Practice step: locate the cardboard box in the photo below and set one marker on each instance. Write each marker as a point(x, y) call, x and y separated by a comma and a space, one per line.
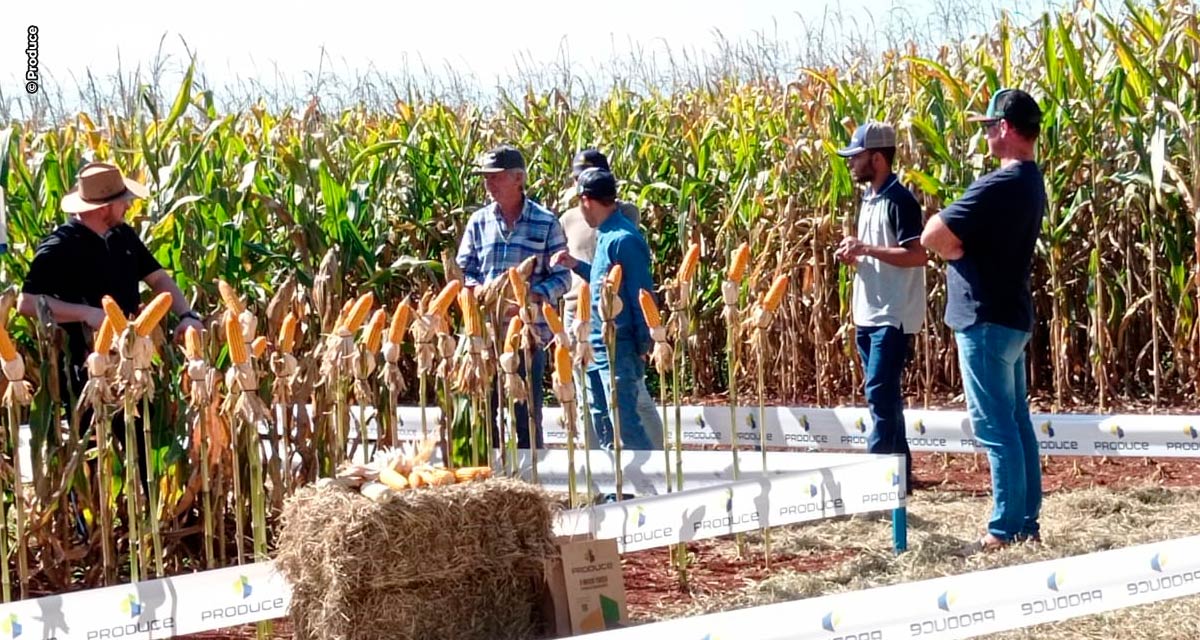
point(587, 588)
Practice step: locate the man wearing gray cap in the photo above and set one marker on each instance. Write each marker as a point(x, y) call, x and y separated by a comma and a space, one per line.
point(503, 234)
point(889, 283)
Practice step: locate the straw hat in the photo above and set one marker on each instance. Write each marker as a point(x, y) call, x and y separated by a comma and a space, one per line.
point(100, 184)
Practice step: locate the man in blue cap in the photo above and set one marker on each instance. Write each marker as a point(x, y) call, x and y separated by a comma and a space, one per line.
point(618, 242)
point(987, 237)
point(889, 283)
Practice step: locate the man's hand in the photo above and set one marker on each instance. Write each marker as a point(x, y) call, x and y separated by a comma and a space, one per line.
point(95, 317)
point(183, 325)
point(849, 250)
point(564, 259)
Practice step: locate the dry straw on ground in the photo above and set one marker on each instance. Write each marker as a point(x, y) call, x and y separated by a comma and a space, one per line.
point(461, 561)
point(1074, 523)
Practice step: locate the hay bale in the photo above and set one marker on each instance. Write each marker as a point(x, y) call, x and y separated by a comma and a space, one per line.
point(460, 561)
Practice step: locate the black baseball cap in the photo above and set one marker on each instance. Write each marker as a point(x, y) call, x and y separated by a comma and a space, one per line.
point(501, 158)
point(587, 159)
point(597, 183)
point(1012, 105)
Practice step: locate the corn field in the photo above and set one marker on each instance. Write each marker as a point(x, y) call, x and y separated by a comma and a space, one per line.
point(305, 211)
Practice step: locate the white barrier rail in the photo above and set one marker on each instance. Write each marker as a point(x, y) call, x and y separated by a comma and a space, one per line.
point(962, 606)
point(847, 428)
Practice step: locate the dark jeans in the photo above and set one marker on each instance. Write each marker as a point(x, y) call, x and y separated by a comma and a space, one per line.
point(884, 352)
point(500, 404)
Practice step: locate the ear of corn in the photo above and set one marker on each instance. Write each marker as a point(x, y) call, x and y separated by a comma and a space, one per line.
point(360, 310)
point(287, 333)
point(104, 337)
point(344, 314)
point(583, 310)
point(441, 304)
point(399, 323)
point(562, 364)
point(691, 263)
point(552, 318)
point(114, 313)
point(649, 309)
point(615, 277)
point(259, 346)
point(774, 295)
point(375, 330)
point(519, 286)
point(191, 341)
point(8, 352)
point(233, 302)
point(235, 340)
point(152, 314)
point(470, 312)
point(514, 332)
point(738, 262)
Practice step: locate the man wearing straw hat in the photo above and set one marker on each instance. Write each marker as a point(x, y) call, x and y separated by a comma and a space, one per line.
point(889, 283)
point(94, 254)
point(988, 237)
point(499, 236)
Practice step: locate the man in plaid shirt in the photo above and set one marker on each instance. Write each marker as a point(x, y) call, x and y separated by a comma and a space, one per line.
point(501, 235)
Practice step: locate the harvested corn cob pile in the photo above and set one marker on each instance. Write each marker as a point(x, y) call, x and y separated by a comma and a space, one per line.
point(400, 469)
point(401, 548)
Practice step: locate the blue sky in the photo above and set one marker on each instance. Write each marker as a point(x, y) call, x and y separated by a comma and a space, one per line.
point(484, 40)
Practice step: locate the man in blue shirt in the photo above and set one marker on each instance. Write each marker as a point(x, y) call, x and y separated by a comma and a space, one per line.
point(618, 242)
point(501, 235)
point(988, 237)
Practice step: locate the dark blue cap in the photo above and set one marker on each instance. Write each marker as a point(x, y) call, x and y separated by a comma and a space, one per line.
point(597, 183)
point(588, 159)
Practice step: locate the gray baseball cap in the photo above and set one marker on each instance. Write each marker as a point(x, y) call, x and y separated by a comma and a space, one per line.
point(872, 135)
point(501, 158)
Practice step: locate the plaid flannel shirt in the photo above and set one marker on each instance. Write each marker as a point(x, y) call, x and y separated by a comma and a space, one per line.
point(489, 248)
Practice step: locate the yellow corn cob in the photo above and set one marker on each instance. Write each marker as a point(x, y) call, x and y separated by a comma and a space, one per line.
point(152, 314)
point(583, 309)
point(691, 262)
point(415, 479)
point(552, 319)
point(393, 479)
point(519, 285)
point(423, 305)
point(191, 341)
point(345, 312)
point(775, 294)
point(441, 304)
point(114, 313)
point(237, 344)
point(232, 301)
point(514, 332)
point(358, 313)
point(8, 352)
point(738, 262)
point(562, 364)
point(614, 277)
point(442, 477)
point(649, 309)
point(375, 331)
point(467, 474)
point(470, 313)
point(287, 333)
point(259, 346)
point(399, 323)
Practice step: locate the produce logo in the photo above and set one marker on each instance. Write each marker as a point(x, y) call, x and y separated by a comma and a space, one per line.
point(242, 587)
point(131, 607)
point(804, 423)
point(1055, 581)
point(1191, 432)
point(860, 425)
point(919, 427)
point(831, 621)
point(11, 626)
point(1117, 431)
point(1159, 562)
point(947, 600)
point(1047, 429)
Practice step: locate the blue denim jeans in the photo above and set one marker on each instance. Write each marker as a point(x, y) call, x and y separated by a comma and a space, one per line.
point(884, 352)
point(499, 403)
point(641, 425)
point(992, 360)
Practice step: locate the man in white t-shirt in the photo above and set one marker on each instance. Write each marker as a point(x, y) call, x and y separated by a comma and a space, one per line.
point(889, 282)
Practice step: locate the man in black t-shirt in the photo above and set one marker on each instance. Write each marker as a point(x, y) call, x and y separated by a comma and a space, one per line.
point(92, 255)
point(988, 237)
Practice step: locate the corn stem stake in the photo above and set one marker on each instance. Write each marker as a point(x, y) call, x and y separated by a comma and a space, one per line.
point(611, 307)
point(98, 393)
point(18, 394)
point(142, 354)
point(761, 317)
point(121, 328)
point(662, 356)
point(564, 390)
point(682, 312)
point(518, 279)
point(730, 292)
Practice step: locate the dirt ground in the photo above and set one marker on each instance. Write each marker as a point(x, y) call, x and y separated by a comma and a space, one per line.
point(1091, 504)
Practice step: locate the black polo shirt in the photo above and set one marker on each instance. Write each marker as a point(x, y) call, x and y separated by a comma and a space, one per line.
point(75, 264)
